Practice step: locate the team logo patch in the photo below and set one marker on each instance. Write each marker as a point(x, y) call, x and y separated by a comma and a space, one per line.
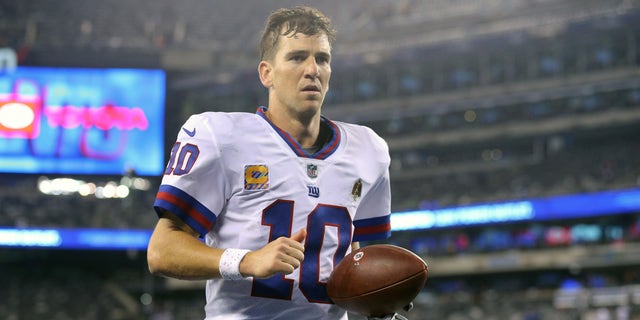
point(356, 191)
point(312, 170)
point(256, 177)
point(314, 191)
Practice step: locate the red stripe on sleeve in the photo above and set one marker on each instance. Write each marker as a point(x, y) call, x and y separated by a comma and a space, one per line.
point(191, 211)
point(372, 229)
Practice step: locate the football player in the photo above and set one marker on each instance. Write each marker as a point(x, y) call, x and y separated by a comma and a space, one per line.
point(263, 205)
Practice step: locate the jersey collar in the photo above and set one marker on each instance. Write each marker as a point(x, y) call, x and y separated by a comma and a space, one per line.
point(324, 152)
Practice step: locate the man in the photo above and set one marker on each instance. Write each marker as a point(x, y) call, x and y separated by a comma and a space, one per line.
point(280, 196)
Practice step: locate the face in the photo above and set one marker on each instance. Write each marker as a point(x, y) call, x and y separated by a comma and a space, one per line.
point(298, 76)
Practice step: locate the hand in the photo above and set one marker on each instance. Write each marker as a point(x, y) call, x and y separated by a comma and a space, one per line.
point(282, 255)
point(394, 316)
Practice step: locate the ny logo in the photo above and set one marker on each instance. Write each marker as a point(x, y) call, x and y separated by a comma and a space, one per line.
point(314, 191)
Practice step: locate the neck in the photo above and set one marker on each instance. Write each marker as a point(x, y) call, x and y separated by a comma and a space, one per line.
point(304, 129)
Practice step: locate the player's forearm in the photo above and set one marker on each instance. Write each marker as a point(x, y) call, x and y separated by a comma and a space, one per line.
point(177, 254)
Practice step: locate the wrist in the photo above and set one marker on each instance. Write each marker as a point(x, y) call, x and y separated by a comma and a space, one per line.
point(229, 265)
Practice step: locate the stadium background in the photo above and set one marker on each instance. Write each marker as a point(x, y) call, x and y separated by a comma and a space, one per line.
point(480, 101)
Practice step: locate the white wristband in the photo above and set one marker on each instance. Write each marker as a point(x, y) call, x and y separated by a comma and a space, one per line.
point(230, 263)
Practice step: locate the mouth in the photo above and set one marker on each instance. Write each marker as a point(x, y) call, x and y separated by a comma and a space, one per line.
point(311, 89)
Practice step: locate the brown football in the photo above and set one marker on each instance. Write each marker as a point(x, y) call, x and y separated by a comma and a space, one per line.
point(377, 280)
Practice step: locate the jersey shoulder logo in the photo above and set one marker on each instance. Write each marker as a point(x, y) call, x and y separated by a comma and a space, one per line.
point(256, 177)
point(189, 133)
point(356, 190)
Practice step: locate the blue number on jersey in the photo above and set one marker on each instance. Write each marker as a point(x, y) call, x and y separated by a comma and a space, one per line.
point(279, 217)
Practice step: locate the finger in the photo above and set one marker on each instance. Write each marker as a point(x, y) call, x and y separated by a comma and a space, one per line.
point(296, 253)
point(287, 268)
point(287, 265)
point(287, 245)
point(293, 262)
point(291, 256)
point(300, 235)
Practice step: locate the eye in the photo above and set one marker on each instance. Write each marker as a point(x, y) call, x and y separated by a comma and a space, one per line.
point(322, 59)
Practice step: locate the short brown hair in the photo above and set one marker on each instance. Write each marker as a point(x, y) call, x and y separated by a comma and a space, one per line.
point(300, 19)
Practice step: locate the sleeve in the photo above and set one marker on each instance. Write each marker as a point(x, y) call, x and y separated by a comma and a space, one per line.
point(378, 200)
point(373, 216)
point(193, 186)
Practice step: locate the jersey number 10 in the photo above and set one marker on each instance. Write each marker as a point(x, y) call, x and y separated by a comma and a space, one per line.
point(278, 216)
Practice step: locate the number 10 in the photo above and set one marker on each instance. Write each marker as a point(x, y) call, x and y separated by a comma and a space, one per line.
point(279, 217)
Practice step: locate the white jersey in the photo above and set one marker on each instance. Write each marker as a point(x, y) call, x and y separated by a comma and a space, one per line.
point(241, 182)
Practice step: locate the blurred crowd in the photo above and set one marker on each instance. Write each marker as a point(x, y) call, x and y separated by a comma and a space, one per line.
point(24, 206)
point(498, 174)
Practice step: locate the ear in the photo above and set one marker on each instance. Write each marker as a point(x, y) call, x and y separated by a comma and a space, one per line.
point(266, 76)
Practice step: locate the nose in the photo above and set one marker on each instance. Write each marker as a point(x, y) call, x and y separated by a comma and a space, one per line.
point(312, 70)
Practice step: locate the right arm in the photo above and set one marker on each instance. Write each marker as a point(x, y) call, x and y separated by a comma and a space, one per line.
point(175, 251)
